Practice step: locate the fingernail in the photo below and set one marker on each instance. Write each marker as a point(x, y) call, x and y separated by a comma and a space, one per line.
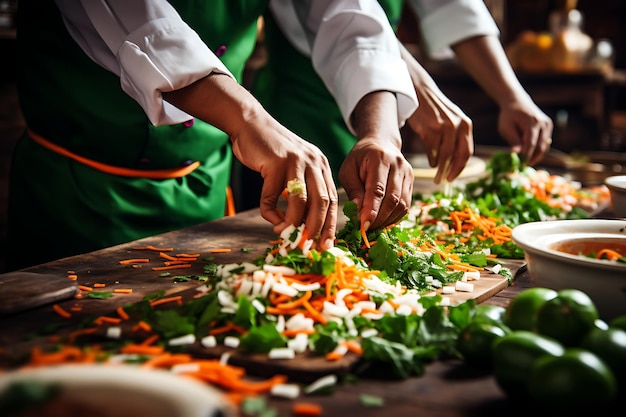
point(366, 226)
point(329, 243)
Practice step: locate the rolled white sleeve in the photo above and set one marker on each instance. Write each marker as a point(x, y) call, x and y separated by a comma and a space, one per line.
point(147, 44)
point(353, 49)
point(446, 22)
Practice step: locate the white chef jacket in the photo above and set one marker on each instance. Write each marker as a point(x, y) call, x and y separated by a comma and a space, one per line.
point(446, 22)
point(353, 48)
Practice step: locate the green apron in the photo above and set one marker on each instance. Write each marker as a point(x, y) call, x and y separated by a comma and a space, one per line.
point(59, 207)
point(292, 92)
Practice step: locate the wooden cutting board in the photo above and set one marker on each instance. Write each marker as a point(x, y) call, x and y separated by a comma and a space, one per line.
point(307, 367)
point(22, 290)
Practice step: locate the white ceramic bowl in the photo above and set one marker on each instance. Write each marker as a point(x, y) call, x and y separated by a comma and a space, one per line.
point(122, 390)
point(617, 187)
point(549, 265)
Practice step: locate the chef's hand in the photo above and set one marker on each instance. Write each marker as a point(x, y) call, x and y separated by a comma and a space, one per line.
point(264, 145)
point(287, 161)
point(526, 128)
point(375, 174)
point(446, 132)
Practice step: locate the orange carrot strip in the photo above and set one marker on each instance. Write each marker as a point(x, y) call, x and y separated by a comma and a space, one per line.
point(364, 236)
point(295, 303)
point(166, 360)
point(609, 253)
point(143, 326)
point(134, 261)
point(177, 266)
point(220, 250)
point(187, 255)
point(178, 299)
point(154, 248)
point(122, 313)
point(99, 285)
point(61, 311)
point(353, 346)
point(150, 340)
point(142, 349)
point(123, 290)
point(85, 288)
point(73, 277)
point(105, 319)
point(306, 409)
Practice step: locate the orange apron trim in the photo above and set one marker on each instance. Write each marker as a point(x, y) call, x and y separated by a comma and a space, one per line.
point(129, 172)
point(159, 174)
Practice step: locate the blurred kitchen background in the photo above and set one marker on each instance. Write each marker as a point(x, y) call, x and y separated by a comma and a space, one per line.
point(569, 55)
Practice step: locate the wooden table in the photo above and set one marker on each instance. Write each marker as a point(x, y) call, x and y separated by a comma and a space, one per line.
point(448, 388)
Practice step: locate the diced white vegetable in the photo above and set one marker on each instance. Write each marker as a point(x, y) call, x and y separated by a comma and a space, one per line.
point(185, 368)
point(258, 306)
point(436, 283)
point(333, 309)
point(284, 289)
point(404, 310)
point(114, 332)
point(365, 333)
point(464, 286)
point(279, 269)
point(244, 287)
point(306, 287)
point(281, 353)
point(299, 343)
point(203, 288)
point(323, 382)
point(496, 268)
point(280, 323)
point(226, 299)
point(287, 231)
point(209, 341)
point(123, 357)
point(448, 289)
point(231, 341)
point(188, 339)
point(290, 391)
point(471, 275)
point(445, 301)
point(224, 358)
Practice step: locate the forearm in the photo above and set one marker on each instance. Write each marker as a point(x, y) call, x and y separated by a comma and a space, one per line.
point(485, 60)
point(218, 100)
point(376, 116)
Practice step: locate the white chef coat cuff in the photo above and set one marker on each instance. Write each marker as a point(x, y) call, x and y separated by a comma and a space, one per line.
point(149, 64)
point(389, 74)
point(455, 22)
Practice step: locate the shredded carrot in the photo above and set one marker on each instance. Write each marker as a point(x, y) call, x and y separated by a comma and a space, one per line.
point(609, 254)
point(306, 409)
point(99, 285)
point(175, 299)
point(143, 326)
point(123, 290)
point(134, 261)
point(142, 349)
point(353, 346)
point(150, 340)
point(61, 311)
point(364, 236)
point(85, 288)
point(220, 250)
point(167, 267)
point(73, 277)
point(122, 313)
point(154, 248)
point(106, 319)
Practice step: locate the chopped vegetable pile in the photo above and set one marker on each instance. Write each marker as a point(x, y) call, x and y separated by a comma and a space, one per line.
point(379, 296)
